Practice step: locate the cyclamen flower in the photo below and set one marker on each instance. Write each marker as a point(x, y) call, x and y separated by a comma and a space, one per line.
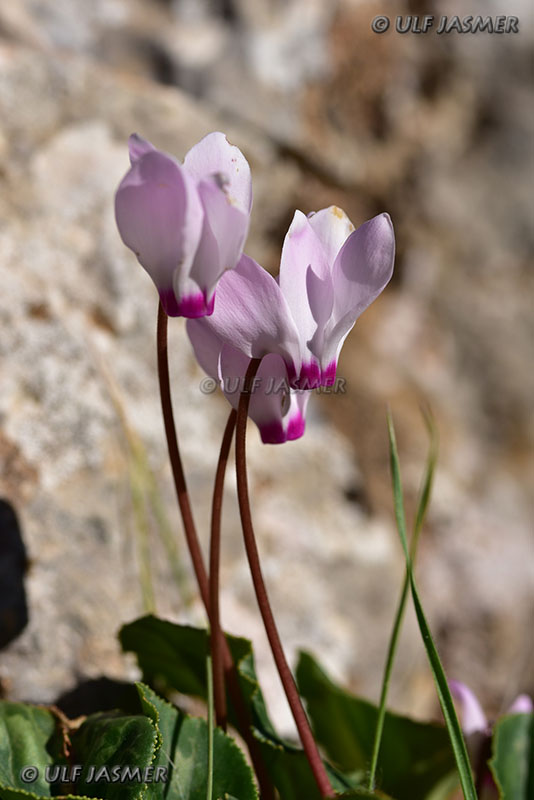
point(478, 729)
point(472, 716)
point(329, 274)
point(186, 223)
point(278, 411)
point(297, 324)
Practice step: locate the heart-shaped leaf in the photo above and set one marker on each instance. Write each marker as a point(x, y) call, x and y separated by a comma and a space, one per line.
point(414, 755)
point(176, 655)
point(183, 753)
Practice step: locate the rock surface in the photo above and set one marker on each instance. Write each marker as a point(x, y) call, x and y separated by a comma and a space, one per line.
point(437, 136)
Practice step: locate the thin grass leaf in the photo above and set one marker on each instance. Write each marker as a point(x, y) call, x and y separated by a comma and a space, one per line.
point(422, 506)
point(428, 478)
point(445, 699)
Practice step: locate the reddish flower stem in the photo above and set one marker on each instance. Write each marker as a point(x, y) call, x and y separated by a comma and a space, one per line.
point(266, 788)
point(176, 462)
point(219, 693)
point(288, 682)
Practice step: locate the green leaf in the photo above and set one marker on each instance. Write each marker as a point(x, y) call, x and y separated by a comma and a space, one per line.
point(176, 655)
point(415, 755)
point(29, 736)
point(184, 752)
point(512, 763)
point(444, 695)
point(24, 734)
point(364, 793)
point(113, 739)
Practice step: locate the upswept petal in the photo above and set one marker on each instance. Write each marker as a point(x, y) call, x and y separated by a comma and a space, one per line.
point(252, 315)
point(303, 266)
point(223, 235)
point(137, 147)
point(159, 217)
point(522, 705)
point(206, 345)
point(472, 717)
point(362, 269)
point(306, 284)
point(332, 227)
point(214, 155)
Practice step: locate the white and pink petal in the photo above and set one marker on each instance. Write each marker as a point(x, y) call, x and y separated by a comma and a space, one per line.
point(214, 155)
point(159, 217)
point(223, 235)
point(472, 717)
point(137, 147)
point(252, 315)
point(332, 227)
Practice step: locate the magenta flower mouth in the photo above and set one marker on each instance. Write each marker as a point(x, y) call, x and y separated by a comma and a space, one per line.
point(193, 306)
point(313, 377)
point(196, 305)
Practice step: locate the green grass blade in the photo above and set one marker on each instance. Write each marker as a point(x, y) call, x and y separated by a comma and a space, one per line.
point(422, 506)
point(392, 648)
point(428, 479)
point(445, 699)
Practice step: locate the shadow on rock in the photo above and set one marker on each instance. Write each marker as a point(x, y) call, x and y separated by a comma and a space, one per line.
point(13, 566)
point(99, 694)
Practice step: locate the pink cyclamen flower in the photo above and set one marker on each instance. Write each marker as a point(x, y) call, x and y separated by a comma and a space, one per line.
point(186, 223)
point(472, 716)
point(478, 729)
point(329, 274)
point(278, 411)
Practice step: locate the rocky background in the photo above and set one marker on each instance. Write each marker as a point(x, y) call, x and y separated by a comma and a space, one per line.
point(437, 131)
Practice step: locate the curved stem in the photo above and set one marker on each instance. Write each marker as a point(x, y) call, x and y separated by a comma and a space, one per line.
point(267, 792)
point(288, 682)
point(216, 638)
point(176, 462)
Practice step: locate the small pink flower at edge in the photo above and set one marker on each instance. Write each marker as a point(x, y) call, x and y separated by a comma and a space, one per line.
point(478, 729)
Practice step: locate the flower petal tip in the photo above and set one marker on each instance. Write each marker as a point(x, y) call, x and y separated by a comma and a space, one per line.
point(296, 427)
point(328, 375)
point(272, 433)
point(522, 705)
point(137, 147)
